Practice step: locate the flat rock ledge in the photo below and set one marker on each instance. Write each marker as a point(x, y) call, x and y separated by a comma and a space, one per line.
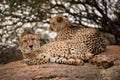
point(52, 71)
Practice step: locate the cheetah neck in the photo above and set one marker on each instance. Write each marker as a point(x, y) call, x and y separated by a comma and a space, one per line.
point(32, 54)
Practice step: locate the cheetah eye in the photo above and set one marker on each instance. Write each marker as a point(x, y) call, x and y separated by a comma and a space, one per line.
point(24, 40)
point(33, 39)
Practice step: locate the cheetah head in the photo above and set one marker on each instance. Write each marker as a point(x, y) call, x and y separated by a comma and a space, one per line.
point(28, 43)
point(59, 22)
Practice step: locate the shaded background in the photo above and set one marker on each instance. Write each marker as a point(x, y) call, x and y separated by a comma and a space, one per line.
point(18, 17)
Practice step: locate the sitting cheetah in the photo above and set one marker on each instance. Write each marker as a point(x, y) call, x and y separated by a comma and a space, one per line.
point(67, 51)
point(91, 37)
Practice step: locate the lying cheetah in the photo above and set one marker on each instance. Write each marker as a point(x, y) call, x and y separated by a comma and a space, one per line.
point(91, 37)
point(67, 51)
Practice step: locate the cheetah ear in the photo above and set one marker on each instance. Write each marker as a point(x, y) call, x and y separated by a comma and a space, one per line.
point(59, 19)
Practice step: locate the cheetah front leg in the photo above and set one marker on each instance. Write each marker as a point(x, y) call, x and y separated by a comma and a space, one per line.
point(74, 56)
point(30, 61)
point(43, 58)
point(48, 58)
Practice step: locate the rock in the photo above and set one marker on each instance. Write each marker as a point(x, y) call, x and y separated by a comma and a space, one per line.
point(108, 58)
point(10, 55)
point(52, 71)
point(112, 73)
point(20, 71)
point(109, 38)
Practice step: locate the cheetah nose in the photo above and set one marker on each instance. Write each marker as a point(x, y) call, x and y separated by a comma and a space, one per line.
point(31, 46)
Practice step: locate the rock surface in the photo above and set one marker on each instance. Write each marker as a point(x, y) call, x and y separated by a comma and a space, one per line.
point(10, 55)
point(20, 71)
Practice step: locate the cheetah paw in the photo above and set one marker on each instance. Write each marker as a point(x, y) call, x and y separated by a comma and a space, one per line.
point(71, 61)
point(88, 56)
point(79, 62)
point(75, 61)
point(61, 60)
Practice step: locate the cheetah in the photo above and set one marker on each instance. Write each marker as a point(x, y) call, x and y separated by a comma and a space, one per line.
point(91, 37)
point(63, 52)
